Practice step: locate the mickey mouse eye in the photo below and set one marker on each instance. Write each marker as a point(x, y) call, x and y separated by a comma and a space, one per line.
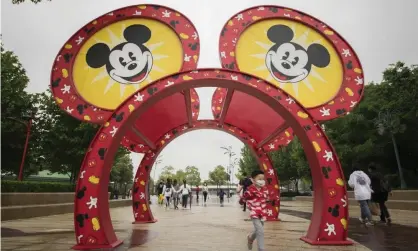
point(131, 55)
point(295, 61)
point(286, 55)
point(121, 61)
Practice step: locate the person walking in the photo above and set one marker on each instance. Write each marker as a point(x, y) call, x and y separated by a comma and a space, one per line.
point(160, 189)
point(243, 186)
point(360, 182)
point(197, 194)
point(185, 192)
point(221, 197)
point(256, 196)
point(205, 192)
point(176, 192)
point(381, 190)
point(168, 192)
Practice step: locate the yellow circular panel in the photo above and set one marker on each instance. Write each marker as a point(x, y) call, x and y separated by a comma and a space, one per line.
point(293, 57)
point(124, 57)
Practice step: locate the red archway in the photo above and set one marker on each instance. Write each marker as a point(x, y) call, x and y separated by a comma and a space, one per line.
point(142, 211)
point(93, 225)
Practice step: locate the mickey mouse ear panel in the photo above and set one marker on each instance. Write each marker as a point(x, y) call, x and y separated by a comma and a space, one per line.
point(118, 53)
point(297, 53)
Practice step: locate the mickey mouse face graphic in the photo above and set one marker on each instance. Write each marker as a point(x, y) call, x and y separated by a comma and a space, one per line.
point(127, 63)
point(289, 62)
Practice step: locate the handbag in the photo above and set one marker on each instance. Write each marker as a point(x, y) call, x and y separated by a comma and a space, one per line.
point(374, 208)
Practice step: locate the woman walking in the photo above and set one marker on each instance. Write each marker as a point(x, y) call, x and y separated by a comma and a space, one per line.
point(205, 192)
point(168, 192)
point(381, 190)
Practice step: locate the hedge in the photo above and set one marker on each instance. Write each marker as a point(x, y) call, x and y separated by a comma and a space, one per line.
point(14, 186)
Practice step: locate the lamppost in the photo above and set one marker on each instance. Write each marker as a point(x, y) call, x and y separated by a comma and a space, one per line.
point(28, 124)
point(157, 161)
point(228, 150)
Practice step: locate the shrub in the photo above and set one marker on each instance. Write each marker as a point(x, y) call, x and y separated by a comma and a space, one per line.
point(14, 186)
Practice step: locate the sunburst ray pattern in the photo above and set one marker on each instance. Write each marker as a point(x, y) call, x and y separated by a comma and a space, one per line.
point(95, 84)
point(320, 85)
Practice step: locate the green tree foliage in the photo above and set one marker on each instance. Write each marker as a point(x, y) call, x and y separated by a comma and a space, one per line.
point(16, 110)
point(193, 175)
point(166, 173)
point(180, 175)
point(290, 163)
point(248, 163)
point(218, 175)
point(122, 171)
point(359, 138)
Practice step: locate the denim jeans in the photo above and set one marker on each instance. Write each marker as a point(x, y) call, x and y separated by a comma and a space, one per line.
point(365, 210)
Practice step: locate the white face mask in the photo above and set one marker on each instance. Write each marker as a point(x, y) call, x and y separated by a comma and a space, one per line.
point(260, 183)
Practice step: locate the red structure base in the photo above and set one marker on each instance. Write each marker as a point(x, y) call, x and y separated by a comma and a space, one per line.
point(277, 219)
point(145, 222)
point(326, 243)
point(93, 247)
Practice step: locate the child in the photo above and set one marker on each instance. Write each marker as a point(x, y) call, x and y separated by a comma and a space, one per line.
point(221, 197)
point(168, 192)
point(362, 193)
point(256, 197)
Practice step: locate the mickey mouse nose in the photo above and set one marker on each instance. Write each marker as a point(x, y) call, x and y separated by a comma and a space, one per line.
point(286, 65)
point(132, 66)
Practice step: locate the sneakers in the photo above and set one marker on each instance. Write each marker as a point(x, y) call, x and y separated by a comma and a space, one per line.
point(361, 220)
point(388, 221)
point(249, 243)
point(369, 223)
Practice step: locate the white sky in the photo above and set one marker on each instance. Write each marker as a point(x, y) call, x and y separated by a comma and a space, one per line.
point(380, 31)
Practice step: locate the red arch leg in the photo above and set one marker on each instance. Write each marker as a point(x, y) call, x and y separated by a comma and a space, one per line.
point(93, 225)
point(140, 196)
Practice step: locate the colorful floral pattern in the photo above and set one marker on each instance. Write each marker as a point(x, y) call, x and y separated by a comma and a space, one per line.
point(143, 214)
point(93, 224)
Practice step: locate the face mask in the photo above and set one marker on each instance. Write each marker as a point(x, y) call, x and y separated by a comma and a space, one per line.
point(260, 183)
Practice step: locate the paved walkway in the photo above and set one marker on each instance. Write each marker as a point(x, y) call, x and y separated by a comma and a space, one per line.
point(210, 228)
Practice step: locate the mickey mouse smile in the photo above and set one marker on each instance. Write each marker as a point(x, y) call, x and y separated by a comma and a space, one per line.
point(129, 62)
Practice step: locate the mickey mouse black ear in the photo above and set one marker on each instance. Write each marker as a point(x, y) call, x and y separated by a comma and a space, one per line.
point(137, 34)
point(98, 55)
point(280, 34)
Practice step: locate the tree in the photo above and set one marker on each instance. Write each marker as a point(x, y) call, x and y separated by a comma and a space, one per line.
point(248, 163)
point(166, 173)
point(218, 175)
point(180, 176)
point(16, 109)
point(193, 175)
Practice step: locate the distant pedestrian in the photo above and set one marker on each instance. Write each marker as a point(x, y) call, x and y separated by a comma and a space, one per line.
point(205, 192)
point(381, 190)
point(197, 194)
point(160, 189)
point(360, 182)
point(168, 192)
point(256, 196)
point(176, 194)
point(221, 195)
point(185, 193)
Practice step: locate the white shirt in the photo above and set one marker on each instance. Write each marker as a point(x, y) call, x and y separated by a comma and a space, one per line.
point(205, 189)
point(185, 190)
point(361, 191)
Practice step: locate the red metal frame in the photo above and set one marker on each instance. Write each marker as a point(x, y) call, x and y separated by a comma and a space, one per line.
point(140, 192)
point(93, 225)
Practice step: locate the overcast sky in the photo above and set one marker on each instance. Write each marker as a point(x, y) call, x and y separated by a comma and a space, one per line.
point(380, 31)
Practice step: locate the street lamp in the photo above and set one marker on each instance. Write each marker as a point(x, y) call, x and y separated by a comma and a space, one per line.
point(230, 153)
point(157, 161)
point(28, 124)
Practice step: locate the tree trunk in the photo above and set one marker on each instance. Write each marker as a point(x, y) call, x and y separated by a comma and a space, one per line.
point(403, 183)
point(296, 186)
